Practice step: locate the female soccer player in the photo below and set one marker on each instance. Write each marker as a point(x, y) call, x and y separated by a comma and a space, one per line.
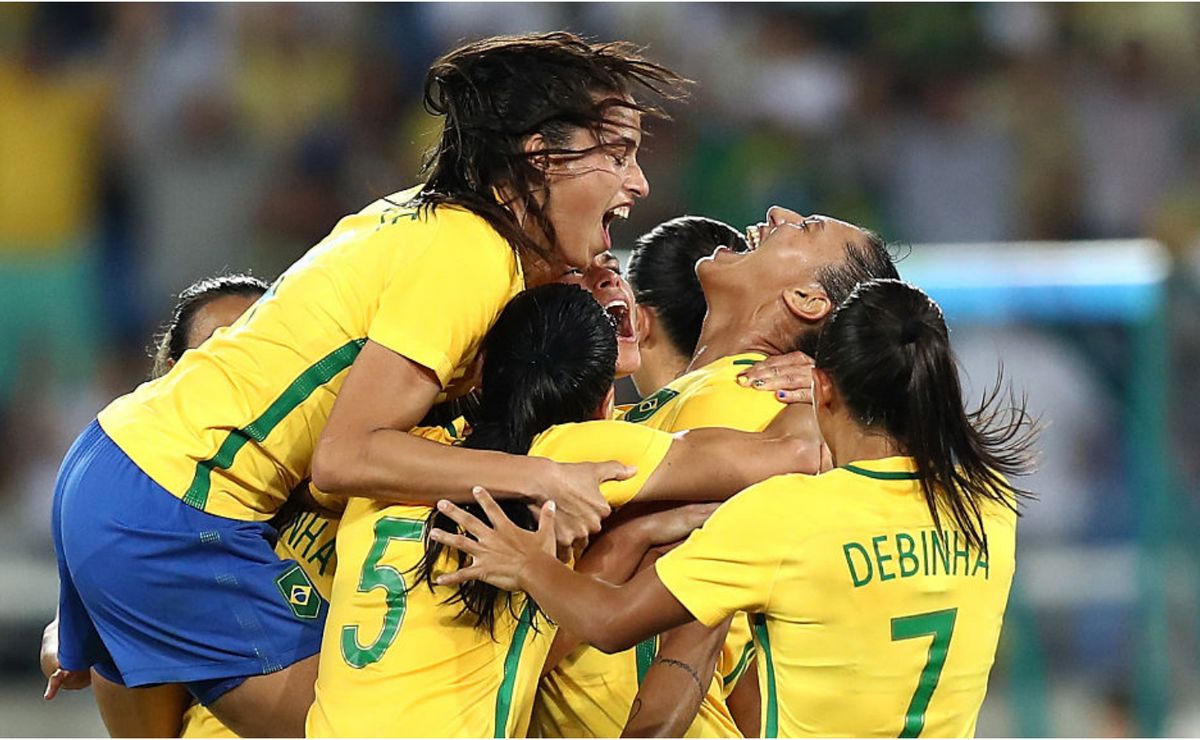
point(166, 574)
point(877, 613)
point(465, 662)
point(760, 305)
point(670, 301)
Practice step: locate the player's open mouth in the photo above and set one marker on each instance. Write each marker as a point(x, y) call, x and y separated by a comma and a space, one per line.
point(611, 215)
point(621, 318)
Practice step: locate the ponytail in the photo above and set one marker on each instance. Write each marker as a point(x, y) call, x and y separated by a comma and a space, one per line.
point(888, 351)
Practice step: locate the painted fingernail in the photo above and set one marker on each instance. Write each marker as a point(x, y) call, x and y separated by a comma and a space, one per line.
point(477, 490)
point(551, 505)
point(743, 380)
point(781, 395)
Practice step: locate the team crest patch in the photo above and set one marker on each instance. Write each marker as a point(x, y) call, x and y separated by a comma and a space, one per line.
point(649, 406)
point(300, 594)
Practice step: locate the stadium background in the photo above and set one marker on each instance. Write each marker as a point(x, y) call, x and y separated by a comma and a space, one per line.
point(144, 146)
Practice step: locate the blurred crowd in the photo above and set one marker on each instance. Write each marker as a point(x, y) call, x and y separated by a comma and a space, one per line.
point(143, 146)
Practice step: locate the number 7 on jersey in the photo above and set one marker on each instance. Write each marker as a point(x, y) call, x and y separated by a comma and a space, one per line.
point(939, 625)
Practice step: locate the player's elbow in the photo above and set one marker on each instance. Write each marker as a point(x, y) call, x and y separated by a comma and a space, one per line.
point(610, 639)
point(806, 454)
point(608, 645)
point(332, 470)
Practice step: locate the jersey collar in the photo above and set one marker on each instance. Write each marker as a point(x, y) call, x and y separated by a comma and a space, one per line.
point(887, 468)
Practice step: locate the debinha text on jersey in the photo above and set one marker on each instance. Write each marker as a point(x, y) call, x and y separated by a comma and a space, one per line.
point(929, 552)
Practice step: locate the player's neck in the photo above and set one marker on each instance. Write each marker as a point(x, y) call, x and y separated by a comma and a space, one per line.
point(735, 332)
point(851, 442)
point(658, 370)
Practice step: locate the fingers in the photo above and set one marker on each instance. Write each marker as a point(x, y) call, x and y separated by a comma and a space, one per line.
point(804, 395)
point(788, 376)
point(494, 513)
point(546, 521)
point(613, 470)
point(457, 541)
point(462, 575)
point(53, 684)
point(64, 679)
point(464, 519)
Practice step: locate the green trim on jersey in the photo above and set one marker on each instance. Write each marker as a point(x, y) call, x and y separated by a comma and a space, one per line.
point(771, 722)
point(746, 362)
point(511, 661)
point(644, 654)
point(740, 668)
point(883, 475)
point(317, 375)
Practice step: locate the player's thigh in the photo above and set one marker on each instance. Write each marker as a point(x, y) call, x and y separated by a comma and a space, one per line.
point(272, 705)
point(149, 711)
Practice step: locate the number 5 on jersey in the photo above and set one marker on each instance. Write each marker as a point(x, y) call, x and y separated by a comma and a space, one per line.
point(940, 626)
point(391, 581)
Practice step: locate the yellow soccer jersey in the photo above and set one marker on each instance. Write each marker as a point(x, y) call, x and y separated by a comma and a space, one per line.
point(589, 693)
point(403, 664)
point(231, 429)
point(709, 397)
point(868, 621)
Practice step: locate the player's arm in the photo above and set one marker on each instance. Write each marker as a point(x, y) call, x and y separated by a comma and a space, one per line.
point(365, 450)
point(518, 560)
point(676, 682)
point(713, 464)
point(621, 550)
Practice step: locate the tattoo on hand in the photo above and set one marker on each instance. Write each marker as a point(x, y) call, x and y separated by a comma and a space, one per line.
point(680, 664)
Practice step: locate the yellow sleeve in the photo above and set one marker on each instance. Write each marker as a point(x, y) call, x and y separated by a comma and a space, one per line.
point(730, 563)
point(446, 292)
point(599, 441)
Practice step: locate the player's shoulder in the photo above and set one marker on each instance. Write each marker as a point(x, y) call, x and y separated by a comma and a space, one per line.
point(586, 433)
point(719, 378)
point(797, 502)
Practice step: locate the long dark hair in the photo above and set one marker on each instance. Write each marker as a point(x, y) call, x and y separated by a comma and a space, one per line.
point(549, 359)
point(172, 340)
point(887, 350)
point(494, 93)
point(867, 259)
point(662, 273)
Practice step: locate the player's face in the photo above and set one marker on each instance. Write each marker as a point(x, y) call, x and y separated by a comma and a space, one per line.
point(215, 314)
point(588, 193)
point(792, 249)
point(604, 281)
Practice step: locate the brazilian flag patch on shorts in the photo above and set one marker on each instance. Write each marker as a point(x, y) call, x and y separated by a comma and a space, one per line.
point(300, 594)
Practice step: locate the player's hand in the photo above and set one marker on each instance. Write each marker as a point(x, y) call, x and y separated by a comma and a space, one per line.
point(69, 680)
point(788, 376)
point(579, 505)
point(58, 677)
point(499, 552)
point(49, 657)
point(673, 524)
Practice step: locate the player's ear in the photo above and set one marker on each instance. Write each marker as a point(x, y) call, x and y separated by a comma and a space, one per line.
point(824, 391)
point(809, 303)
point(608, 404)
point(643, 323)
point(535, 146)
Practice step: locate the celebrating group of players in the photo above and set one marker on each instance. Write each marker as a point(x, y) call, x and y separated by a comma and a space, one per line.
point(390, 494)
